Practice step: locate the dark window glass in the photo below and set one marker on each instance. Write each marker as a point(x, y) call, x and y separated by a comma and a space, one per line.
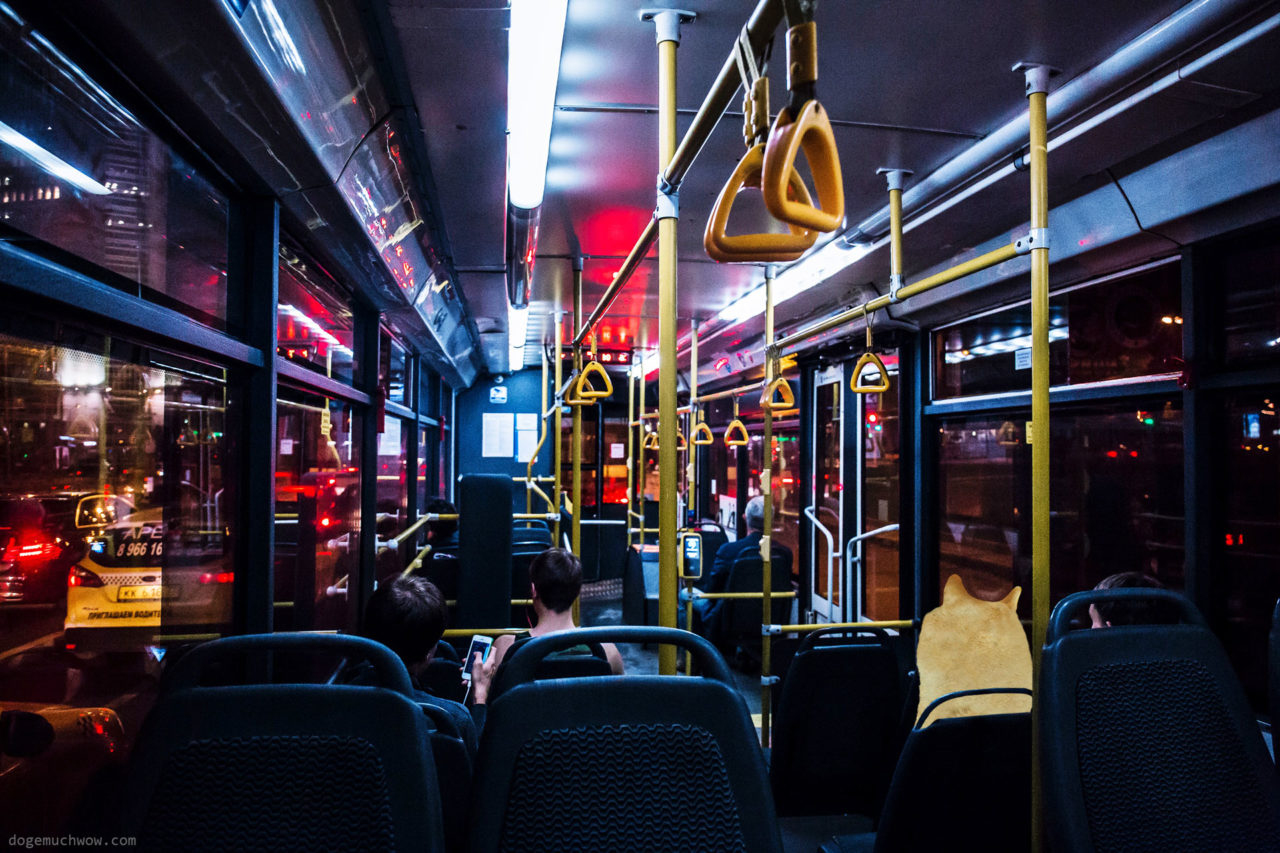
point(1245, 561)
point(723, 468)
point(114, 535)
point(615, 462)
point(428, 481)
point(880, 497)
point(391, 367)
point(445, 457)
point(317, 511)
point(1118, 329)
point(79, 173)
point(1245, 275)
point(314, 324)
point(1116, 498)
point(393, 489)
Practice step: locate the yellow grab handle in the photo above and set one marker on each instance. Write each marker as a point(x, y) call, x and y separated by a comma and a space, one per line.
point(811, 130)
point(779, 248)
point(586, 390)
point(738, 428)
point(650, 441)
point(702, 435)
point(782, 388)
point(681, 443)
point(872, 360)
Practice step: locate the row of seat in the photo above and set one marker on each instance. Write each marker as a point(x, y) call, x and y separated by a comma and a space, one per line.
point(1148, 744)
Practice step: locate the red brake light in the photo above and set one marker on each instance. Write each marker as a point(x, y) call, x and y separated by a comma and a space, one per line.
point(326, 521)
point(218, 577)
point(83, 577)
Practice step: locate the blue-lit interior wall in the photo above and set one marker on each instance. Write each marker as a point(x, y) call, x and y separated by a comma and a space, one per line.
point(524, 396)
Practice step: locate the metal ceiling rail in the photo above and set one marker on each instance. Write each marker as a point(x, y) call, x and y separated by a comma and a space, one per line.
point(760, 28)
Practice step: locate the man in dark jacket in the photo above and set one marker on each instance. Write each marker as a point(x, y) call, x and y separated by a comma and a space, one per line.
point(707, 611)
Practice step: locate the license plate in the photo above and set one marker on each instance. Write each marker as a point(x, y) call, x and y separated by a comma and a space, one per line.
point(150, 592)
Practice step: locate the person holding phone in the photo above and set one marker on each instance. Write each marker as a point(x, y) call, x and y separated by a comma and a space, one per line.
point(555, 581)
point(407, 615)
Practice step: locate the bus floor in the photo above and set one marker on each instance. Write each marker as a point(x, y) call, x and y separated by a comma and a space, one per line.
point(602, 605)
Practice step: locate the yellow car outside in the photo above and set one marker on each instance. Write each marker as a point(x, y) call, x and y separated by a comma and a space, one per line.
point(135, 577)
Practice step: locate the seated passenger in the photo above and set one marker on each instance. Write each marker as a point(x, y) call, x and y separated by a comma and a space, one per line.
point(706, 610)
point(555, 580)
point(442, 533)
point(1108, 613)
point(407, 615)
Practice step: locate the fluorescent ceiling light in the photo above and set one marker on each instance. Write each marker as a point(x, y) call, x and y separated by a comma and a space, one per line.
point(533, 69)
point(51, 163)
point(517, 331)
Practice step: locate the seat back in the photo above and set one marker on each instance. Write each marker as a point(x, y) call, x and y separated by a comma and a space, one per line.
point(531, 533)
point(453, 763)
point(484, 548)
point(738, 620)
point(276, 766)
point(621, 763)
point(565, 664)
point(1148, 741)
point(962, 783)
point(836, 733)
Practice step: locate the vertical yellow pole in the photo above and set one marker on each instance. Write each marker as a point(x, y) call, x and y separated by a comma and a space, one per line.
point(542, 423)
point(668, 27)
point(558, 428)
point(1037, 91)
point(631, 449)
point(691, 472)
point(766, 539)
point(575, 528)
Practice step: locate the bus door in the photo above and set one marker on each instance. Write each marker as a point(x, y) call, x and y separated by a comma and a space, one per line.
point(824, 509)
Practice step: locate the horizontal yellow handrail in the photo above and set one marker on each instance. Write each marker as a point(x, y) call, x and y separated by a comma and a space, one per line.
point(802, 629)
point(745, 595)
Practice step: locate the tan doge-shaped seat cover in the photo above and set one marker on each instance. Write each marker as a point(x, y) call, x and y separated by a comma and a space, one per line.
point(967, 644)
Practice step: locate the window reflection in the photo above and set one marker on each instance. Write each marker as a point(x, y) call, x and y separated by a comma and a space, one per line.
point(1118, 329)
point(79, 173)
point(314, 324)
point(1245, 550)
point(1115, 499)
point(1244, 274)
point(880, 499)
point(317, 511)
point(114, 542)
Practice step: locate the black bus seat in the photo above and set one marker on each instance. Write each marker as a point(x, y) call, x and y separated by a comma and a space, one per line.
point(1148, 741)
point(284, 766)
point(962, 783)
point(633, 762)
point(562, 664)
point(836, 733)
point(454, 769)
point(537, 534)
point(484, 548)
point(736, 622)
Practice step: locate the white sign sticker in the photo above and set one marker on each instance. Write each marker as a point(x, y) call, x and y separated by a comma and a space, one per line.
point(1022, 359)
point(498, 394)
point(499, 434)
point(617, 450)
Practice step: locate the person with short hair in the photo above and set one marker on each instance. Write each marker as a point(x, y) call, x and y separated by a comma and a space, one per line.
point(442, 533)
point(555, 581)
point(407, 615)
point(1106, 614)
point(706, 611)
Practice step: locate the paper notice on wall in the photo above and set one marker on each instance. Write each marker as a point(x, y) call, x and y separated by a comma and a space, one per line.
point(617, 450)
point(499, 434)
point(527, 421)
point(526, 443)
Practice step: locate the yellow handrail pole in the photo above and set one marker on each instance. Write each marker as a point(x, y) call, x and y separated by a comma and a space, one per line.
point(575, 526)
point(766, 539)
point(895, 179)
point(556, 460)
point(818, 626)
point(533, 460)
point(667, 23)
point(960, 270)
point(691, 469)
point(730, 392)
point(631, 435)
point(1037, 78)
point(760, 27)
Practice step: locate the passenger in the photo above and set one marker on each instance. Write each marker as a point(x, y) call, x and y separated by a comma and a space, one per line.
point(407, 615)
point(555, 580)
point(442, 533)
point(706, 611)
point(1108, 613)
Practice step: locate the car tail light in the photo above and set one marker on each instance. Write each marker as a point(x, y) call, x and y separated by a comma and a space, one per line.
point(29, 546)
point(218, 577)
point(83, 577)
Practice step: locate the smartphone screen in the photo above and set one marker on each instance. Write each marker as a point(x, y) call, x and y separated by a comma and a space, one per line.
point(478, 644)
